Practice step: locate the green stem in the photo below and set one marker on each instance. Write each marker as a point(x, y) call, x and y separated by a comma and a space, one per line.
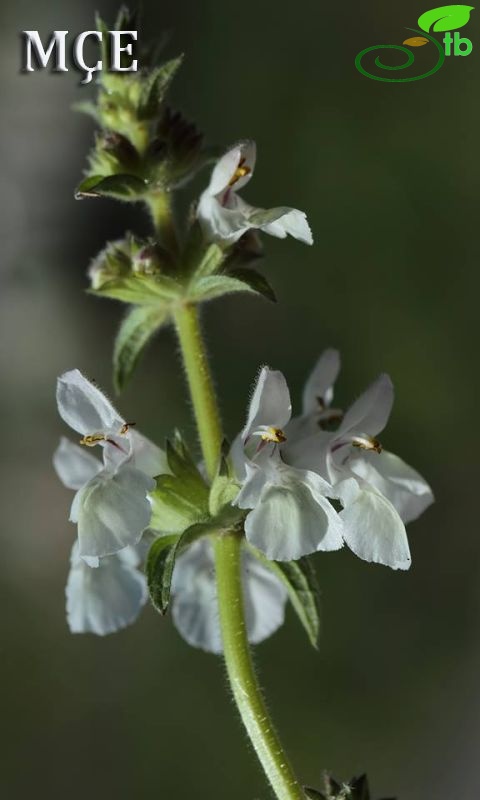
point(201, 386)
point(238, 660)
point(241, 672)
point(160, 207)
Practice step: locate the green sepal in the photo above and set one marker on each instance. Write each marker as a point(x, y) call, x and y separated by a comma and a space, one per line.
point(126, 20)
point(142, 290)
point(102, 27)
point(301, 583)
point(210, 262)
point(313, 794)
point(129, 188)
point(160, 564)
point(200, 259)
point(88, 108)
point(180, 499)
point(155, 87)
point(356, 789)
point(135, 332)
point(224, 490)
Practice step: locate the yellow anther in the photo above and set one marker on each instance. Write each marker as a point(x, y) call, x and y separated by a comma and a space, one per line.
point(367, 443)
point(274, 435)
point(126, 427)
point(240, 172)
point(92, 439)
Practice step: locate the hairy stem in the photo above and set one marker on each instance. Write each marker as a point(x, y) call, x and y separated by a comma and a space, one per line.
point(201, 386)
point(160, 208)
point(238, 659)
point(241, 672)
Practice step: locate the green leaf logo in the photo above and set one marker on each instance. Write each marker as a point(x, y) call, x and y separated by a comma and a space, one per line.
point(445, 18)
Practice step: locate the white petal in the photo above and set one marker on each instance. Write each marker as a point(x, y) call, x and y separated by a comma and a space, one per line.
point(400, 483)
point(74, 465)
point(82, 406)
point(105, 599)
point(369, 414)
point(146, 456)
point(290, 222)
point(307, 452)
point(195, 606)
point(254, 479)
point(219, 222)
point(130, 556)
point(265, 598)
point(113, 510)
point(374, 531)
point(318, 391)
point(293, 517)
point(270, 404)
point(227, 165)
point(93, 562)
point(279, 221)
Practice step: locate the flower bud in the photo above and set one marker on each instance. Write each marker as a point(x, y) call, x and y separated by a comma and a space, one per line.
point(111, 263)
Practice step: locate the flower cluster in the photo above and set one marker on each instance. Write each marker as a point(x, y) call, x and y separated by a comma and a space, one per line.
point(112, 509)
point(302, 485)
point(291, 470)
point(289, 486)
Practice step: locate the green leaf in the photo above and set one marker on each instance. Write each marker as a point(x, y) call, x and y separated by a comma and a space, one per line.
point(159, 570)
point(301, 583)
point(120, 187)
point(161, 562)
point(213, 286)
point(155, 88)
point(445, 18)
point(256, 281)
point(140, 289)
point(136, 330)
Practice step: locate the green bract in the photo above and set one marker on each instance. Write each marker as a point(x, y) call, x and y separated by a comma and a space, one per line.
point(356, 789)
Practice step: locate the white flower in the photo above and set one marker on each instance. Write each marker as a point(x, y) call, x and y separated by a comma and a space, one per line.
point(195, 606)
point(111, 506)
point(291, 515)
point(106, 594)
point(226, 217)
point(379, 492)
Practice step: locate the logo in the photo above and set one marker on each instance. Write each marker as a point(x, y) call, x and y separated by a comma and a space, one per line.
point(36, 56)
point(439, 20)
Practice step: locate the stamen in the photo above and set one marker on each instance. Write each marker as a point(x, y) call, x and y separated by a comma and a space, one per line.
point(126, 427)
point(92, 439)
point(240, 172)
point(275, 435)
point(367, 443)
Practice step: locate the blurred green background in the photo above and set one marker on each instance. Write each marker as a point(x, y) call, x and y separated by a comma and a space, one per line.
point(389, 176)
